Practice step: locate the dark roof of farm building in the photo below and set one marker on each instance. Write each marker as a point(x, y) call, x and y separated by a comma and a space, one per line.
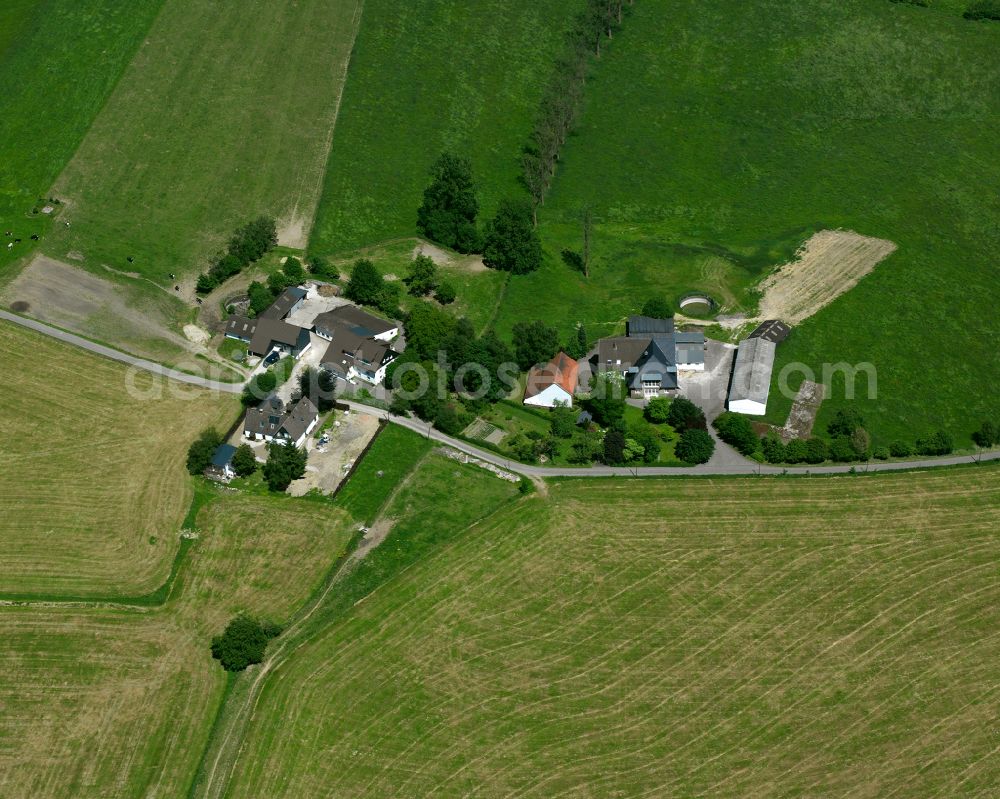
point(241, 327)
point(271, 331)
point(361, 323)
point(773, 330)
point(282, 306)
point(648, 326)
point(223, 455)
point(299, 417)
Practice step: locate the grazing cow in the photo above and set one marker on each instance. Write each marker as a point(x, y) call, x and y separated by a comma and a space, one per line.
point(17, 241)
point(177, 288)
point(173, 276)
point(7, 233)
point(10, 244)
point(34, 237)
point(199, 300)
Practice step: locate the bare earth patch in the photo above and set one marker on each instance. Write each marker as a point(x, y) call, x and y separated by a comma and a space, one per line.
point(77, 300)
point(802, 416)
point(470, 263)
point(829, 264)
point(196, 335)
point(292, 232)
point(329, 464)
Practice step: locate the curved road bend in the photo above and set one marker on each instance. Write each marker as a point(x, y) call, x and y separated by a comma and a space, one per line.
point(746, 467)
point(116, 355)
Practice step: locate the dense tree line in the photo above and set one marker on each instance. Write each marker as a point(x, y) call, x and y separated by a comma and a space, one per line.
point(244, 461)
point(983, 9)
point(562, 98)
point(247, 245)
point(320, 386)
point(988, 435)
point(200, 452)
point(511, 243)
point(366, 286)
point(284, 464)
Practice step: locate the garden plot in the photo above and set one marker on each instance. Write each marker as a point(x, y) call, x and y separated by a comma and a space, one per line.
point(481, 430)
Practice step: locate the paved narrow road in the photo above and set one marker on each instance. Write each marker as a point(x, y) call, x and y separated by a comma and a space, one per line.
point(116, 355)
point(745, 467)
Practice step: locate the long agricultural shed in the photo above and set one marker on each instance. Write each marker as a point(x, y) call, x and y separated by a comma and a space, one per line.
point(752, 376)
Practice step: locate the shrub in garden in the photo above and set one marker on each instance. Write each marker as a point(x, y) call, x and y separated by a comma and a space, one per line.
point(737, 431)
point(695, 446)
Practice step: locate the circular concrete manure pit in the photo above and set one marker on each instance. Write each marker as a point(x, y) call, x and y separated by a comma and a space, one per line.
point(697, 305)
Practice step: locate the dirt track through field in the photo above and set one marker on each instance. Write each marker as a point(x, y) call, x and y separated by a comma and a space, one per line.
point(828, 265)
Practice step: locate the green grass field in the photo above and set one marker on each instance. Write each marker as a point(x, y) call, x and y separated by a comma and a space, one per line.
point(426, 77)
point(15, 16)
point(705, 126)
point(730, 638)
point(59, 62)
point(395, 452)
point(225, 113)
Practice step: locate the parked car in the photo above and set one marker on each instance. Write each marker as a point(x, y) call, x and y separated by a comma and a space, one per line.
point(273, 357)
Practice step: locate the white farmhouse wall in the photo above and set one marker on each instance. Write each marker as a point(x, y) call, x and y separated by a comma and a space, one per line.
point(548, 397)
point(748, 407)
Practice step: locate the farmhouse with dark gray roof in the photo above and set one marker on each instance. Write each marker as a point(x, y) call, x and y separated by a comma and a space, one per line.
point(288, 302)
point(269, 331)
point(273, 421)
point(359, 346)
point(275, 334)
point(650, 355)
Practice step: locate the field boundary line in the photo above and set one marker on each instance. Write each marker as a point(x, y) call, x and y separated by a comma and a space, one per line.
point(328, 148)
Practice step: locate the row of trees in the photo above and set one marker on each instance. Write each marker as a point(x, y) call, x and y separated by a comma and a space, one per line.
point(247, 245)
point(422, 279)
point(988, 435)
point(562, 99)
point(292, 273)
point(284, 462)
point(983, 9)
point(849, 442)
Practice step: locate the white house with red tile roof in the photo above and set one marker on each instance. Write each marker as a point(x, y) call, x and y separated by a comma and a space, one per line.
point(553, 383)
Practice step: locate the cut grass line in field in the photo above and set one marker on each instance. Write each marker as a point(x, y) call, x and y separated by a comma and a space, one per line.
point(702, 137)
point(225, 113)
point(429, 76)
point(123, 699)
point(94, 488)
point(412, 519)
point(224, 747)
point(733, 638)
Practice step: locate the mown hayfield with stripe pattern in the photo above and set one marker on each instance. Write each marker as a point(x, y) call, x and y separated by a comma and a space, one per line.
point(728, 638)
point(119, 701)
point(93, 487)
